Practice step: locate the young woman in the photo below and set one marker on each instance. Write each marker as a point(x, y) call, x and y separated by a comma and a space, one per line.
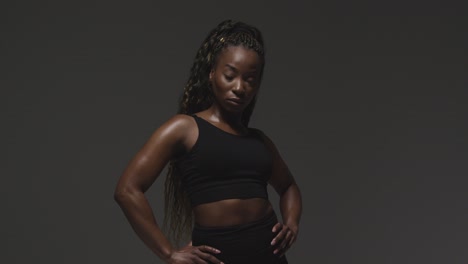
point(219, 168)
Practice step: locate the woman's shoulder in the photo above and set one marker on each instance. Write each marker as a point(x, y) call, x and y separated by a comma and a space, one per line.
point(258, 132)
point(176, 132)
point(181, 119)
point(179, 123)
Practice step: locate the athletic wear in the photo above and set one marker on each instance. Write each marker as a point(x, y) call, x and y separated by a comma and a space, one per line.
point(222, 165)
point(241, 244)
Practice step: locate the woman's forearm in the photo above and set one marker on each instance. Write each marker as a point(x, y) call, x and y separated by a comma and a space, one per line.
point(140, 215)
point(291, 206)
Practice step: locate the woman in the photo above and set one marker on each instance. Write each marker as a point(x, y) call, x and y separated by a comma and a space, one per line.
point(218, 167)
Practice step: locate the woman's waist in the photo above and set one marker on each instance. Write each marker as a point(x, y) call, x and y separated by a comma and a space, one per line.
point(231, 212)
point(242, 243)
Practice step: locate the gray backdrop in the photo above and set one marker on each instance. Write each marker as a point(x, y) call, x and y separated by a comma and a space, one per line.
point(365, 101)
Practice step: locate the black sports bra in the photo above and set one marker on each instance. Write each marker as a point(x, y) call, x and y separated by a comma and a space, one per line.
point(222, 165)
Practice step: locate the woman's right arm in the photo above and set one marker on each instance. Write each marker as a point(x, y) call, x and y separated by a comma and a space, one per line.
point(168, 141)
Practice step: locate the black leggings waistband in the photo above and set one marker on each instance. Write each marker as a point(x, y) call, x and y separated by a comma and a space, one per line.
point(242, 244)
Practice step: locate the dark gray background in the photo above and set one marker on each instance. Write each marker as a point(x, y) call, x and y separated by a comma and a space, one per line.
point(365, 101)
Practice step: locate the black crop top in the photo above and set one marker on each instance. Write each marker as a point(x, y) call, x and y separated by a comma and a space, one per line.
point(222, 165)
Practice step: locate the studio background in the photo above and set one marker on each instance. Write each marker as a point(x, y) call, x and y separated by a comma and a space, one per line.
point(365, 101)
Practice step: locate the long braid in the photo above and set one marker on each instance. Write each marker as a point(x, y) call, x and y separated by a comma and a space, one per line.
point(197, 96)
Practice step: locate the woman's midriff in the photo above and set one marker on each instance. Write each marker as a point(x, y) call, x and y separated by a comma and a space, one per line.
point(231, 212)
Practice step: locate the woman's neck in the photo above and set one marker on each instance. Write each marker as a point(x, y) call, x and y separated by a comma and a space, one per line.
point(216, 114)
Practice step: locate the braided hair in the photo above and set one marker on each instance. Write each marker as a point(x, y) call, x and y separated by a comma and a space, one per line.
point(197, 96)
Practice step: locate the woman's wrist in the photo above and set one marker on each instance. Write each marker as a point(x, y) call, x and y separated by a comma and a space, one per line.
point(293, 226)
point(166, 255)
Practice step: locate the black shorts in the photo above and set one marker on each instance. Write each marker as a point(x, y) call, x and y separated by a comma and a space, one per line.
point(241, 244)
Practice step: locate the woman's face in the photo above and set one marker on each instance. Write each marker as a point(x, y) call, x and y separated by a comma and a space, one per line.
point(235, 78)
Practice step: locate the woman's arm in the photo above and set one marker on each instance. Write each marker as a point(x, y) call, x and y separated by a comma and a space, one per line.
point(167, 142)
point(291, 207)
point(290, 201)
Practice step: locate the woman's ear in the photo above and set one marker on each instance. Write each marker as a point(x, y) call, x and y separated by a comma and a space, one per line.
point(211, 75)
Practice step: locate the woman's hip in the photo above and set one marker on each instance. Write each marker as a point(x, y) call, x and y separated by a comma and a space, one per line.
point(243, 244)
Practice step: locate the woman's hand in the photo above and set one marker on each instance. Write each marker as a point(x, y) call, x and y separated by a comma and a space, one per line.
point(195, 255)
point(284, 239)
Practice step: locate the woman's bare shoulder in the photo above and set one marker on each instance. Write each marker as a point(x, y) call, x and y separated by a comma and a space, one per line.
point(177, 125)
point(181, 120)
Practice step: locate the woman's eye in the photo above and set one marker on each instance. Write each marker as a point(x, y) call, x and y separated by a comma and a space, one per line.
point(251, 80)
point(229, 78)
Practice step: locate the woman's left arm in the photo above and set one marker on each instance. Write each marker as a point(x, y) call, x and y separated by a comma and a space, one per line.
point(291, 207)
point(290, 201)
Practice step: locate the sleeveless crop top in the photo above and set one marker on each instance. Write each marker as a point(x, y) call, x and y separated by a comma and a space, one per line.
point(222, 165)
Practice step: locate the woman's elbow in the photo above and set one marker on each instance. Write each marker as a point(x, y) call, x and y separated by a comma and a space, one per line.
point(123, 193)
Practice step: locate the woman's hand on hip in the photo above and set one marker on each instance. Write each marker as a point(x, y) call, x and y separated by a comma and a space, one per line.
point(194, 255)
point(285, 237)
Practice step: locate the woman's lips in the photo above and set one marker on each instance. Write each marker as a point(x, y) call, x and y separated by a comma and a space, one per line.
point(236, 101)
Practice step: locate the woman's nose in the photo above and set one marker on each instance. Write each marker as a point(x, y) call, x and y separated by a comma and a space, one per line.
point(238, 88)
